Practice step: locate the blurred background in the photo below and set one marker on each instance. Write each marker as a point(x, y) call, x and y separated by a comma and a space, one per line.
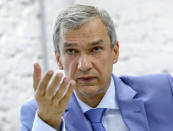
point(144, 29)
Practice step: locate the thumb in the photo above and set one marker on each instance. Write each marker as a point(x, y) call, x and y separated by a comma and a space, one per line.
point(36, 75)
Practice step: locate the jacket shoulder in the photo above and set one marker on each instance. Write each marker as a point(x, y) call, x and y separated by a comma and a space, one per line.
point(148, 79)
point(149, 84)
point(27, 114)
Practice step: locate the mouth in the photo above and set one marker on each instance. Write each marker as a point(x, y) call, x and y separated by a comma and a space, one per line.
point(86, 78)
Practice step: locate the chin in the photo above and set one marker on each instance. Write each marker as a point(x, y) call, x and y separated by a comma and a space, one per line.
point(90, 91)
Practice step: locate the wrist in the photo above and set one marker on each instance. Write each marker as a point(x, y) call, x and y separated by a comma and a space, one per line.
point(51, 120)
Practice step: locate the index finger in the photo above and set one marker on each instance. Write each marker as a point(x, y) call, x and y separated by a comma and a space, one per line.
point(64, 100)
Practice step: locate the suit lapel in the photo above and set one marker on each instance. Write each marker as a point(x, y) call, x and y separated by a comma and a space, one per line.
point(131, 108)
point(74, 117)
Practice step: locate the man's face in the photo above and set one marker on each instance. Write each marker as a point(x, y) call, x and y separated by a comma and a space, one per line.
point(86, 57)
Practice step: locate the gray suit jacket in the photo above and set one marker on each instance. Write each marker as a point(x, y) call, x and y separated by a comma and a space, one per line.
point(146, 104)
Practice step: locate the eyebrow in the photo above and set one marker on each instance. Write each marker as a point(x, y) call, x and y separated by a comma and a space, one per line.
point(96, 43)
point(68, 44)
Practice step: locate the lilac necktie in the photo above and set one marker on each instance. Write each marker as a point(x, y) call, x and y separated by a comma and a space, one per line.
point(95, 117)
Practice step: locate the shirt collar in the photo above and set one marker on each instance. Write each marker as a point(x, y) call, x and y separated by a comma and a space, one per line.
point(108, 101)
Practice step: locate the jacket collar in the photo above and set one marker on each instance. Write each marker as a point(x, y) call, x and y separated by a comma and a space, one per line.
point(131, 107)
point(74, 117)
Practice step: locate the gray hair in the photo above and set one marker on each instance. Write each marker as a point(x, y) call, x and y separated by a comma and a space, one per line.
point(75, 16)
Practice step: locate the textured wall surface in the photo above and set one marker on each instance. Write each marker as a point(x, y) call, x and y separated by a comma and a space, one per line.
point(144, 29)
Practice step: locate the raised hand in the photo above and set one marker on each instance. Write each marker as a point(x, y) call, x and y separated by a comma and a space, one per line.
point(51, 102)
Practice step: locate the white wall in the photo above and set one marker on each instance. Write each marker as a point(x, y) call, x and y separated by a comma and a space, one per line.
point(144, 29)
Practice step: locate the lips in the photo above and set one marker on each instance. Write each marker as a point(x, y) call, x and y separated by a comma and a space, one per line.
point(86, 78)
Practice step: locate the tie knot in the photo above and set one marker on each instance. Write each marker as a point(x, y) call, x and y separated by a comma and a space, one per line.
point(95, 115)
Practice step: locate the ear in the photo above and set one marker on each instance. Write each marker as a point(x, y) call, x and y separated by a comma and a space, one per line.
point(115, 52)
point(58, 60)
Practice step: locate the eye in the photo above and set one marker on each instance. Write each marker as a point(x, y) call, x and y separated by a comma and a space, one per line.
point(71, 51)
point(96, 49)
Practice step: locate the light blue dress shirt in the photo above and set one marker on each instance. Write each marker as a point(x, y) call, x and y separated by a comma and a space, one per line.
point(112, 119)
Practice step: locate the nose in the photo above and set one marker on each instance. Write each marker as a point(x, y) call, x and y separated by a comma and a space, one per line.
point(84, 63)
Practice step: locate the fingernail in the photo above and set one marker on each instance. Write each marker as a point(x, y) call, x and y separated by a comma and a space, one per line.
point(66, 79)
point(59, 75)
point(50, 72)
point(72, 82)
point(35, 65)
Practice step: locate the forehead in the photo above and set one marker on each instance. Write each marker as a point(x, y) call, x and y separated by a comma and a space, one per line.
point(88, 32)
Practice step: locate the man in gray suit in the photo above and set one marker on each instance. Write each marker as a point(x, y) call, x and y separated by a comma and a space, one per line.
point(86, 48)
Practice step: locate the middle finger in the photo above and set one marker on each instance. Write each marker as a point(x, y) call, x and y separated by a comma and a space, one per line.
point(56, 81)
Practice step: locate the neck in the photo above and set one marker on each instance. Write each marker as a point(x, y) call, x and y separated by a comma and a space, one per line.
point(92, 101)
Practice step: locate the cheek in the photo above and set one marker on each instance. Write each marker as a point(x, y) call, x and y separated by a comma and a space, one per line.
point(70, 68)
point(104, 65)
point(103, 61)
point(99, 64)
